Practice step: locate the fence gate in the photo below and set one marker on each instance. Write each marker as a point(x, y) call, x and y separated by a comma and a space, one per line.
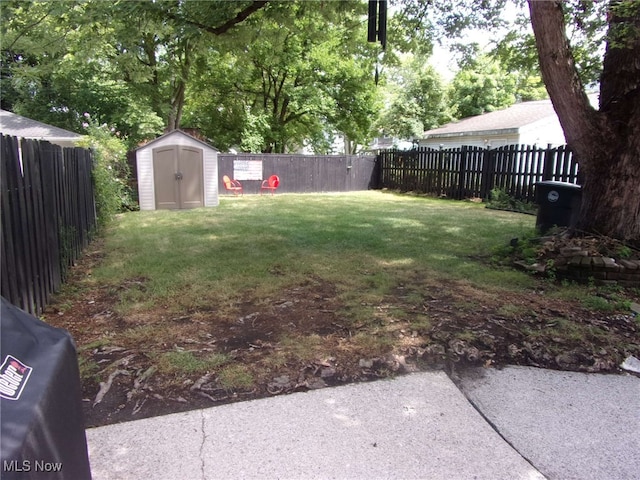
point(178, 177)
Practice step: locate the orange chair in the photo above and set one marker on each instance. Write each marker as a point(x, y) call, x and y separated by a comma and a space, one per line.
point(270, 184)
point(232, 185)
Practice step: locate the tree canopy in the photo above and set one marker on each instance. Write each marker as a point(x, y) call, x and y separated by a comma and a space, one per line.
point(303, 73)
point(252, 75)
point(482, 86)
point(416, 100)
point(258, 75)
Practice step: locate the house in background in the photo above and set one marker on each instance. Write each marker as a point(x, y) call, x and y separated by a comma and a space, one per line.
point(525, 123)
point(23, 127)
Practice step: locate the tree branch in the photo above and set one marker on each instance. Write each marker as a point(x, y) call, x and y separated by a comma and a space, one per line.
point(26, 29)
point(240, 17)
point(295, 116)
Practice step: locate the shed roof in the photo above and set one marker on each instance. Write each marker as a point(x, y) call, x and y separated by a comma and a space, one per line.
point(177, 132)
point(508, 120)
point(19, 126)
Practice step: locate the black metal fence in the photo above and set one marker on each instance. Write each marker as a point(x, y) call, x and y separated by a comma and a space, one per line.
point(48, 215)
point(305, 173)
point(468, 172)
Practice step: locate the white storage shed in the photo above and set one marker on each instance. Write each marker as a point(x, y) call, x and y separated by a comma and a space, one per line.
point(177, 171)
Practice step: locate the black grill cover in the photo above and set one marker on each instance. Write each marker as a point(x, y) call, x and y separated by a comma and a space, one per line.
point(41, 411)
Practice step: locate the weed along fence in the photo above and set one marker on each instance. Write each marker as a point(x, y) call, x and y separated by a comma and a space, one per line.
point(468, 172)
point(300, 173)
point(48, 214)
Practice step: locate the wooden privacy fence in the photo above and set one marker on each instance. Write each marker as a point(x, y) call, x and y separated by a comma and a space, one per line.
point(468, 172)
point(48, 214)
point(303, 173)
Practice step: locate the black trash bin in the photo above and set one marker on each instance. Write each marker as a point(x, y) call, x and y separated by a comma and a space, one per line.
point(558, 204)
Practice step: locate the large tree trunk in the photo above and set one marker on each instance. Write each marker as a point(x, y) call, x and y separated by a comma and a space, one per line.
point(606, 142)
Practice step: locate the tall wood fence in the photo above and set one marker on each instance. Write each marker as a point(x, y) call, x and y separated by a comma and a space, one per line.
point(48, 215)
point(468, 172)
point(306, 173)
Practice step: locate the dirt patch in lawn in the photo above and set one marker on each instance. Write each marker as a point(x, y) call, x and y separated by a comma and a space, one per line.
point(157, 362)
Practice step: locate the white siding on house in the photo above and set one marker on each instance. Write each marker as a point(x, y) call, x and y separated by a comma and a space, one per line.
point(493, 141)
point(542, 133)
point(144, 166)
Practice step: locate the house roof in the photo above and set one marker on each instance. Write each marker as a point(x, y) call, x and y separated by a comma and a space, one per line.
point(19, 126)
point(509, 120)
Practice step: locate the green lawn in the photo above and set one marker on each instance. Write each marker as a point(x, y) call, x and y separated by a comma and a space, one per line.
point(252, 246)
point(269, 294)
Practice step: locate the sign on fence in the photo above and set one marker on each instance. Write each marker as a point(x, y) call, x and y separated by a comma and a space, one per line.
point(247, 169)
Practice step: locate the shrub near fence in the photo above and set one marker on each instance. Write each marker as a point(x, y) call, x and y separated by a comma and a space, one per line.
point(48, 215)
point(468, 172)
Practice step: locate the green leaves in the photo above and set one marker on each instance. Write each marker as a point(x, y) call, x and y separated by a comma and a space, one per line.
point(483, 86)
point(417, 101)
point(111, 171)
point(297, 73)
point(268, 75)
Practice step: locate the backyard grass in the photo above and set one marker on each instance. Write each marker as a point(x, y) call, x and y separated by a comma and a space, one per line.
point(363, 243)
point(271, 294)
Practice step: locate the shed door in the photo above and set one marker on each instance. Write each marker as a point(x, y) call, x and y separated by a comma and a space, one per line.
point(190, 166)
point(165, 169)
point(177, 176)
